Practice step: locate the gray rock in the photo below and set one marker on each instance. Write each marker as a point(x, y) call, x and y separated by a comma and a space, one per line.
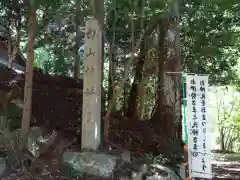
point(156, 177)
point(2, 166)
point(171, 175)
point(91, 163)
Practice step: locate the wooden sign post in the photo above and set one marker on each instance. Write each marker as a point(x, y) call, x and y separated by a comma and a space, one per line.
point(91, 112)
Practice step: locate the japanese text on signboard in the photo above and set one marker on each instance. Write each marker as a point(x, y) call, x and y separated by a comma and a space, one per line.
point(199, 151)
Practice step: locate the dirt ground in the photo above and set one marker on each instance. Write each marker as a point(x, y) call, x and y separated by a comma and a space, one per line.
point(226, 166)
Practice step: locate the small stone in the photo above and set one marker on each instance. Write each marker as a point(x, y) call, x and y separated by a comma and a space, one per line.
point(136, 176)
point(126, 157)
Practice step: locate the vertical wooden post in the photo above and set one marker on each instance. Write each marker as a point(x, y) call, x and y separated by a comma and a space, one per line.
point(91, 113)
point(186, 165)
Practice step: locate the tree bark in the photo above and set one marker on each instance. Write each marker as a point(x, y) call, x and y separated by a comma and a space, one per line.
point(9, 41)
point(77, 40)
point(112, 62)
point(125, 92)
point(18, 27)
point(111, 75)
point(222, 138)
point(133, 98)
point(29, 76)
point(168, 109)
point(141, 95)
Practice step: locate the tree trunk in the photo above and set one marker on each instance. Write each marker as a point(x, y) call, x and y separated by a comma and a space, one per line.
point(112, 62)
point(18, 27)
point(222, 138)
point(133, 110)
point(111, 75)
point(9, 41)
point(168, 110)
point(125, 92)
point(29, 76)
point(158, 112)
point(141, 95)
point(77, 40)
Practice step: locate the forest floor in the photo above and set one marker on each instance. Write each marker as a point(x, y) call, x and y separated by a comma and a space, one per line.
point(227, 166)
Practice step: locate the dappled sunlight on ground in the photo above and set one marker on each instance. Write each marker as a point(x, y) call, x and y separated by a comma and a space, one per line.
point(226, 167)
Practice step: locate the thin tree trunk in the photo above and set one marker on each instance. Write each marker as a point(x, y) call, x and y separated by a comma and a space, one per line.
point(112, 61)
point(222, 138)
point(133, 98)
point(111, 75)
point(141, 86)
point(77, 40)
point(28, 76)
point(101, 20)
point(125, 92)
point(18, 27)
point(9, 41)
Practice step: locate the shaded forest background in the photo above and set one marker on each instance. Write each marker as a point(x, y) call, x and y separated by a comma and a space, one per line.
point(145, 41)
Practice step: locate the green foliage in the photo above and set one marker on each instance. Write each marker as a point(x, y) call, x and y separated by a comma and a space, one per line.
point(228, 118)
point(210, 37)
point(209, 31)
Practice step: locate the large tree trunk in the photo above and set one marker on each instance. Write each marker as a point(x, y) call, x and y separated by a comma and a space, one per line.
point(77, 40)
point(29, 76)
point(168, 109)
point(158, 112)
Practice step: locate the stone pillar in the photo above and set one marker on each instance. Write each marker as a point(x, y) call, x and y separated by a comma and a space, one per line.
point(91, 112)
